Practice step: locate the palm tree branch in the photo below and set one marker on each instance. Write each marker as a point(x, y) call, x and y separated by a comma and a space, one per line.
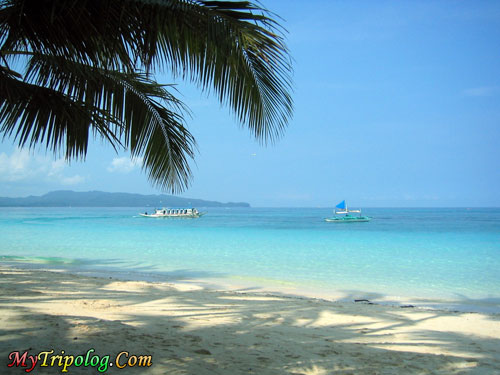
point(144, 114)
point(245, 63)
point(32, 115)
point(232, 48)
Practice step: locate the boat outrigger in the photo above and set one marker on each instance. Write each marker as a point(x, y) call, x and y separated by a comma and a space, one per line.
point(192, 213)
point(342, 210)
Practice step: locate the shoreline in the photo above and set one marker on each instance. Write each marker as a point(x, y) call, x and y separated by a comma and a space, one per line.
point(258, 285)
point(191, 330)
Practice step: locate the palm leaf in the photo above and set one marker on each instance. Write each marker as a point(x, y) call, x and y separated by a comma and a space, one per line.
point(233, 49)
point(128, 109)
point(32, 114)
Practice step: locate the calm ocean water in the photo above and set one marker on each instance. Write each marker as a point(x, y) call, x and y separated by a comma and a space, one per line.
point(431, 257)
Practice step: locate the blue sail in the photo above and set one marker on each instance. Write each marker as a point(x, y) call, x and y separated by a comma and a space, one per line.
point(341, 205)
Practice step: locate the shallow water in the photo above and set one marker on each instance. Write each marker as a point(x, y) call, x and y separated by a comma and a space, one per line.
point(442, 257)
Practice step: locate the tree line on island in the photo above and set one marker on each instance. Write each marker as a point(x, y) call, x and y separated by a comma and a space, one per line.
point(67, 198)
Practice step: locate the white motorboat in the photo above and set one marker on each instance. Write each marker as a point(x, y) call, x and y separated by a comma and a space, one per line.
point(175, 213)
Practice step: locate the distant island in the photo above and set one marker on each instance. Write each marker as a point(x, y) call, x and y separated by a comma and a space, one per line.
point(68, 198)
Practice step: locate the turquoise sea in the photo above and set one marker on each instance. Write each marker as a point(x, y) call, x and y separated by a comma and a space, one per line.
point(430, 257)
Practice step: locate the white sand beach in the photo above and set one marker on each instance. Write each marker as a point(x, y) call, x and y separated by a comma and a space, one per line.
point(191, 330)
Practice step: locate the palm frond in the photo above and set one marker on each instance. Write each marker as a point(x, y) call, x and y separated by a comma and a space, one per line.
point(89, 65)
point(32, 114)
point(232, 48)
point(128, 109)
point(77, 30)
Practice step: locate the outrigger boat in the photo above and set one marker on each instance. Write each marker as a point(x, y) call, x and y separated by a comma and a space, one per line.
point(342, 210)
point(192, 213)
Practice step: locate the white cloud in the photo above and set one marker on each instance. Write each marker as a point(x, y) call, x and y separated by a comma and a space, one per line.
point(57, 167)
point(124, 164)
point(23, 166)
point(73, 180)
point(20, 165)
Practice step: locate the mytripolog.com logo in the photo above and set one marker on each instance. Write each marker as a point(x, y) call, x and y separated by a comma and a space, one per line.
point(65, 361)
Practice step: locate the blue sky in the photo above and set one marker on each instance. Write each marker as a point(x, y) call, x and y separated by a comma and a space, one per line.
point(396, 104)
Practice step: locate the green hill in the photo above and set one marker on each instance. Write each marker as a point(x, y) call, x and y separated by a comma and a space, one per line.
point(68, 198)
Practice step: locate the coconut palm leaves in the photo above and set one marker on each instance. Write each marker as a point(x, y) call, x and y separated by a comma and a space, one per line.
point(74, 68)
